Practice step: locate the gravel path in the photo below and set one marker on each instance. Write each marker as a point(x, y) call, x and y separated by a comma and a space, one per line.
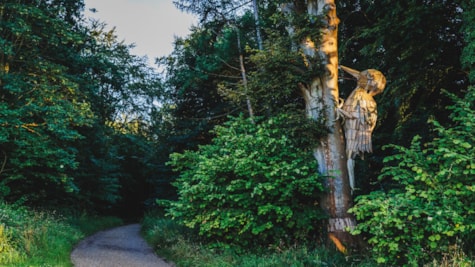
point(118, 247)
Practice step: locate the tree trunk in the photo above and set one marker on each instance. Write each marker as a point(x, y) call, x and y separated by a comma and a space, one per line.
point(321, 98)
point(244, 76)
point(258, 26)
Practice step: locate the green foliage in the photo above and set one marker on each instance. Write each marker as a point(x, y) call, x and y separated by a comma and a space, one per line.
point(468, 31)
point(121, 89)
point(417, 45)
point(431, 209)
point(37, 235)
point(404, 40)
point(204, 73)
point(208, 56)
point(254, 184)
point(42, 107)
point(66, 91)
point(274, 83)
point(179, 246)
point(172, 241)
point(38, 238)
point(456, 257)
point(162, 232)
point(8, 253)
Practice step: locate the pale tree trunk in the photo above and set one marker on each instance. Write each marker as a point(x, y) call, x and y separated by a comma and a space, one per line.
point(244, 76)
point(258, 26)
point(321, 98)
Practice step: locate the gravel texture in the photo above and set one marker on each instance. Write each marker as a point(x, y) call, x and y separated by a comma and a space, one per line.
point(118, 247)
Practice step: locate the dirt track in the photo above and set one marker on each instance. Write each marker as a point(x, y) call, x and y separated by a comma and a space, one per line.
point(118, 247)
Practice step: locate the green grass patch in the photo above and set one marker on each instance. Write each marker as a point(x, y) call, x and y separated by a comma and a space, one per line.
point(43, 238)
point(178, 244)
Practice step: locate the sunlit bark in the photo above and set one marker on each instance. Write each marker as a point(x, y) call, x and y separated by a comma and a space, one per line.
point(321, 97)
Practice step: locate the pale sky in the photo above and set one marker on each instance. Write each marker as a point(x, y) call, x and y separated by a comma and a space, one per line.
point(150, 24)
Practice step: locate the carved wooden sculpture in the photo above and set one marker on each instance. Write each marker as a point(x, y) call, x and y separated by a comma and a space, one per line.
point(360, 115)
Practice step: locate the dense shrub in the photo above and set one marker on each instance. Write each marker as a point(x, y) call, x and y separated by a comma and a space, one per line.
point(431, 210)
point(254, 184)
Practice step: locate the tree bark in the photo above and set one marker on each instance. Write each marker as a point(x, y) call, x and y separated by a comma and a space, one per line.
point(321, 98)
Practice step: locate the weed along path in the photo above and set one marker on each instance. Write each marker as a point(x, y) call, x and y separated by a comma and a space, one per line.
point(118, 247)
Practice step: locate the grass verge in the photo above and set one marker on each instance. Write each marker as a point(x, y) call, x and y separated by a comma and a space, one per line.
point(43, 238)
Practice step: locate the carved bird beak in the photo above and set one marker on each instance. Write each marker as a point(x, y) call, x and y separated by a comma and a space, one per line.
point(351, 71)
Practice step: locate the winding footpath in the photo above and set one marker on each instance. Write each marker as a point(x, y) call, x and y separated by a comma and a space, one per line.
point(118, 247)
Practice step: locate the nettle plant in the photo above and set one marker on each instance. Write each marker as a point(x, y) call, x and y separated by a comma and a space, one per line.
point(253, 185)
point(432, 209)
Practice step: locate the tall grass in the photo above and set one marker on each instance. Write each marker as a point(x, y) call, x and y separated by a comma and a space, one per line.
point(40, 238)
point(8, 253)
point(454, 258)
point(177, 244)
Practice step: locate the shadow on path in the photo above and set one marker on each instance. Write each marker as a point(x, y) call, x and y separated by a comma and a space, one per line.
point(118, 247)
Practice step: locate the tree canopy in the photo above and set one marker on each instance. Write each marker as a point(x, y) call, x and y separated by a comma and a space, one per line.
point(70, 94)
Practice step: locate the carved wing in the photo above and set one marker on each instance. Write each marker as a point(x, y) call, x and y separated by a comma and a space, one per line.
point(360, 124)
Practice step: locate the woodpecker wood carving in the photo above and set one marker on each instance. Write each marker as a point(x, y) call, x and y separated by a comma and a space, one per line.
point(360, 115)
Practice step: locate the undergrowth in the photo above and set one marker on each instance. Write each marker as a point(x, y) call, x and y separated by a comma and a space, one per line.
point(181, 246)
point(43, 238)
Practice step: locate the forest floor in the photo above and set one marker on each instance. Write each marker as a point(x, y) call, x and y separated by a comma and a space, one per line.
point(118, 247)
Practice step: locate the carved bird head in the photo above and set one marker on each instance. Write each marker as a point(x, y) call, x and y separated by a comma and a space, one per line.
point(373, 81)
